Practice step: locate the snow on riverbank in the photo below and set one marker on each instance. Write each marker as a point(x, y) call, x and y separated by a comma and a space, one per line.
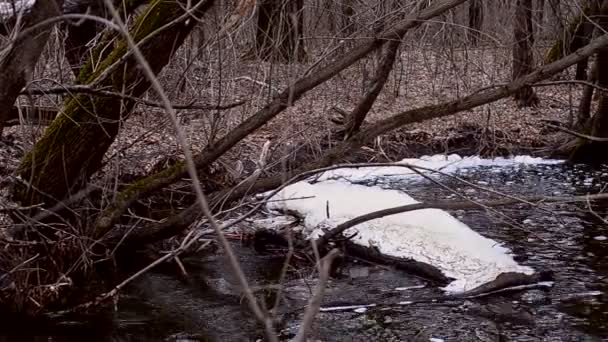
point(432, 236)
point(447, 164)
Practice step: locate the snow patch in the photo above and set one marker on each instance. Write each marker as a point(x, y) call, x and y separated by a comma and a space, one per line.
point(347, 307)
point(407, 288)
point(432, 236)
point(405, 303)
point(447, 164)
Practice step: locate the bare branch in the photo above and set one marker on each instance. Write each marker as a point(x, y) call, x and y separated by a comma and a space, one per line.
point(86, 89)
point(315, 301)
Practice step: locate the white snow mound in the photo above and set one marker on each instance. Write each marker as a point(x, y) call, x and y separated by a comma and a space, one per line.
point(432, 236)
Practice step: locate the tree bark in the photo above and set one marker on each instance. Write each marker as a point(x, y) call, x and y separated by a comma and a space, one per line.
point(523, 59)
point(584, 108)
point(583, 35)
point(594, 151)
point(540, 14)
point(18, 63)
point(348, 13)
point(475, 21)
point(556, 22)
point(578, 34)
point(357, 116)
point(279, 31)
point(72, 148)
point(80, 33)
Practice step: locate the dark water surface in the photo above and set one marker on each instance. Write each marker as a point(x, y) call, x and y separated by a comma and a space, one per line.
point(566, 238)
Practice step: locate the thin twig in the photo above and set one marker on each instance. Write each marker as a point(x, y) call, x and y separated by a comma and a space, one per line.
point(86, 89)
point(577, 134)
point(315, 302)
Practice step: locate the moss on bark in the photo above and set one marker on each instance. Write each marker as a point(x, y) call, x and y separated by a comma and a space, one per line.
point(73, 146)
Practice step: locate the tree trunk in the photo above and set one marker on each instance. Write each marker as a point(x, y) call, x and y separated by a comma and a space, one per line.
point(556, 21)
point(584, 107)
point(72, 148)
point(578, 34)
point(279, 31)
point(348, 13)
point(540, 16)
point(475, 21)
point(80, 33)
point(594, 151)
point(18, 63)
point(357, 116)
point(583, 35)
point(523, 59)
point(78, 36)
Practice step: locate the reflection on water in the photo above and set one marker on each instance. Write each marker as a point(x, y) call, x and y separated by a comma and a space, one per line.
point(565, 238)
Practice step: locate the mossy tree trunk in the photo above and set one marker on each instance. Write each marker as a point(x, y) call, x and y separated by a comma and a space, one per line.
point(279, 31)
point(73, 146)
point(523, 59)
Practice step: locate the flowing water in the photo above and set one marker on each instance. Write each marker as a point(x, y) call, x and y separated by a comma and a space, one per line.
point(570, 240)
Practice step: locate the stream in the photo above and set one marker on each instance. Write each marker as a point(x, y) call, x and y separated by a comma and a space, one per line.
point(367, 302)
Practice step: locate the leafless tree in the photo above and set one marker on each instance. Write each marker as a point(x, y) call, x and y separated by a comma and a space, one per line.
point(523, 58)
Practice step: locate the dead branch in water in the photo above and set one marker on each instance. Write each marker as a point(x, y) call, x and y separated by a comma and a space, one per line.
point(315, 301)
